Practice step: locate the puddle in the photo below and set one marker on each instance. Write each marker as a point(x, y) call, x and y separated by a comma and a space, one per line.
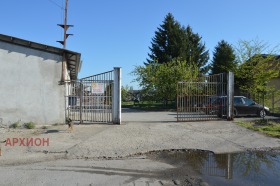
point(245, 168)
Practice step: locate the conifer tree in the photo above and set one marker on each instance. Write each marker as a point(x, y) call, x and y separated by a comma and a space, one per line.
point(167, 41)
point(173, 41)
point(195, 50)
point(223, 58)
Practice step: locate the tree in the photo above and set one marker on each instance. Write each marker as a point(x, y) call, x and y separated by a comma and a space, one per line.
point(255, 74)
point(256, 69)
point(195, 50)
point(173, 41)
point(167, 42)
point(126, 96)
point(246, 49)
point(223, 58)
point(162, 79)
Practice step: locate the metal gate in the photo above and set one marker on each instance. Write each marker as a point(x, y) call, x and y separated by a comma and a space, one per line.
point(91, 99)
point(198, 100)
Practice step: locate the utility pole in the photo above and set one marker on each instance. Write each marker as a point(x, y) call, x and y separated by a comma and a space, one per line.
point(65, 27)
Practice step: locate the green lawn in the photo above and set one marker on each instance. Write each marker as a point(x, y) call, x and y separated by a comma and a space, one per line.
point(150, 106)
point(269, 127)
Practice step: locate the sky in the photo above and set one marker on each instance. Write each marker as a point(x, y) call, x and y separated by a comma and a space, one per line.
point(118, 33)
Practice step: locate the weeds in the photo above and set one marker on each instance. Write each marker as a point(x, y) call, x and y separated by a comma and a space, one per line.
point(269, 127)
point(29, 125)
point(15, 125)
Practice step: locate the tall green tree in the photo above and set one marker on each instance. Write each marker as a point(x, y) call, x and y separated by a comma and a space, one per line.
point(223, 58)
point(167, 42)
point(195, 50)
point(173, 41)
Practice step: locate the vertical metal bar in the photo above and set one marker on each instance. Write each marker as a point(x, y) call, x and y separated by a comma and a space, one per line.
point(91, 100)
point(272, 102)
point(178, 101)
point(109, 97)
point(229, 170)
point(94, 101)
point(102, 98)
point(66, 101)
point(81, 100)
point(183, 97)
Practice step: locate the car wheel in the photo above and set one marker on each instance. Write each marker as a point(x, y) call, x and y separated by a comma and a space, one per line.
point(262, 113)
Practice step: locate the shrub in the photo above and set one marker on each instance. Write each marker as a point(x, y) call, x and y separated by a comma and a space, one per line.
point(14, 125)
point(29, 125)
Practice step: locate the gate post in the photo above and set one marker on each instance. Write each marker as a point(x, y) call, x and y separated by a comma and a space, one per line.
point(116, 112)
point(230, 94)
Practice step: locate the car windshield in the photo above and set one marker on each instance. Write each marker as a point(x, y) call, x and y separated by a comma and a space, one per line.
point(238, 101)
point(248, 101)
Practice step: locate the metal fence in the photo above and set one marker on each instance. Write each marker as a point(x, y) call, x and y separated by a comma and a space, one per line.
point(90, 99)
point(196, 99)
point(219, 165)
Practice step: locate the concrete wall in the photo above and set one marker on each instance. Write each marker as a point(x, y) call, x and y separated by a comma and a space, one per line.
point(275, 83)
point(29, 88)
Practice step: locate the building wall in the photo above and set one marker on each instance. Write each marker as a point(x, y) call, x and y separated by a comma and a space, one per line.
point(29, 86)
point(275, 83)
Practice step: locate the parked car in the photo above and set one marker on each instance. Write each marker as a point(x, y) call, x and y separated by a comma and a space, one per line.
point(211, 105)
point(242, 106)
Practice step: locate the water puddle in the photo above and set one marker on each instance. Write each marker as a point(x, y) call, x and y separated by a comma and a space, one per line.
point(245, 168)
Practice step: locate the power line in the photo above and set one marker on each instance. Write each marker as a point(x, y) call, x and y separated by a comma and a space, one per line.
point(55, 3)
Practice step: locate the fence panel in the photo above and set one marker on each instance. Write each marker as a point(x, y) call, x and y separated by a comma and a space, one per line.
point(196, 100)
point(90, 99)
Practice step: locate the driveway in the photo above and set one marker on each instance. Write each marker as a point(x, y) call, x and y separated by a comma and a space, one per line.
point(148, 131)
point(94, 153)
point(139, 132)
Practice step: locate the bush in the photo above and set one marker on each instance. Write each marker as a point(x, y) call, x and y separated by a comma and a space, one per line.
point(14, 125)
point(29, 125)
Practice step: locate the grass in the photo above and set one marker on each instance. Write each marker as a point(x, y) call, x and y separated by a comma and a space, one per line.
point(29, 125)
point(149, 105)
point(269, 127)
point(15, 125)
